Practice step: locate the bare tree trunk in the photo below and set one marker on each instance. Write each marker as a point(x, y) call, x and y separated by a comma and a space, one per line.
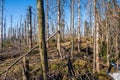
point(72, 27)
point(1, 26)
point(107, 42)
point(0, 34)
point(30, 27)
point(97, 47)
point(19, 37)
point(47, 25)
point(58, 28)
point(117, 51)
point(25, 34)
point(27, 21)
point(11, 26)
point(5, 29)
point(91, 31)
point(17, 29)
point(26, 74)
point(41, 39)
point(35, 31)
point(96, 43)
point(94, 54)
point(78, 25)
point(62, 27)
point(20, 32)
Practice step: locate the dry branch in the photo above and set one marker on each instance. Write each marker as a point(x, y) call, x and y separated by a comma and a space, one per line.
point(17, 60)
point(35, 69)
point(52, 36)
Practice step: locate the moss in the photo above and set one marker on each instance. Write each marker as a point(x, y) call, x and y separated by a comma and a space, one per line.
point(103, 76)
point(102, 73)
point(79, 63)
point(7, 44)
point(59, 65)
point(53, 67)
point(35, 51)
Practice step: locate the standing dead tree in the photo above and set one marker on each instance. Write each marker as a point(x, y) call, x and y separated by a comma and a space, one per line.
point(5, 28)
point(78, 25)
point(58, 28)
point(41, 39)
point(26, 74)
point(1, 24)
point(25, 34)
point(30, 26)
point(72, 27)
point(11, 27)
point(96, 40)
point(47, 24)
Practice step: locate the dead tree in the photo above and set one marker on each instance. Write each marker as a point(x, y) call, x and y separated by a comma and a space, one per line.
point(58, 28)
point(30, 26)
point(108, 60)
point(41, 39)
point(94, 49)
point(5, 28)
point(117, 50)
point(25, 34)
point(47, 24)
point(62, 18)
point(72, 27)
point(78, 25)
point(1, 25)
point(70, 67)
point(35, 31)
point(26, 74)
point(96, 27)
point(11, 27)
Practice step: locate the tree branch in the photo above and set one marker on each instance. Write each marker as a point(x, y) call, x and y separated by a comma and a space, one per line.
point(17, 60)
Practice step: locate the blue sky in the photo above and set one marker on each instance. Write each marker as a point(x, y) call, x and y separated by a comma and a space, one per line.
point(17, 8)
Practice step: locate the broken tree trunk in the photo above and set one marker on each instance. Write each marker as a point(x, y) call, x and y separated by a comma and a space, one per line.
point(26, 75)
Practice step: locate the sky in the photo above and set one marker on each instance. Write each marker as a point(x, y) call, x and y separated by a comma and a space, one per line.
point(17, 8)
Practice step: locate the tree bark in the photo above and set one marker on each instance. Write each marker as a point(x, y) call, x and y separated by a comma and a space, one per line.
point(78, 25)
point(97, 48)
point(25, 26)
point(117, 51)
point(94, 54)
point(47, 25)
point(1, 26)
point(26, 74)
point(58, 28)
point(96, 43)
point(72, 27)
point(4, 28)
point(30, 27)
point(41, 39)
point(107, 43)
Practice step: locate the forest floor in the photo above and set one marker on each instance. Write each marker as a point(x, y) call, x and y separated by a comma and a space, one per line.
point(82, 62)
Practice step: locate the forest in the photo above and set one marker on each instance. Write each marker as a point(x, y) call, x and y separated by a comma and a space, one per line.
point(59, 40)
